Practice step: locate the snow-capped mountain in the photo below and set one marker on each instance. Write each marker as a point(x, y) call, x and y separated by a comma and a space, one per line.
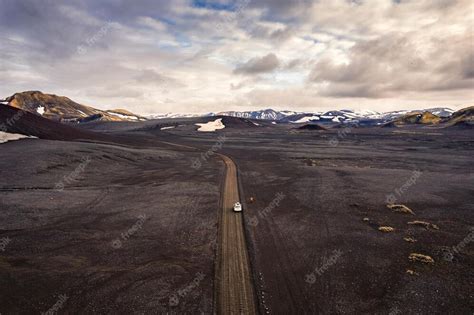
point(333, 116)
point(393, 115)
point(442, 112)
point(177, 115)
point(362, 117)
point(267, 114)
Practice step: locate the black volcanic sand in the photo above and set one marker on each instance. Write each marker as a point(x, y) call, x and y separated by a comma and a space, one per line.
point(330, 182)
point(333, 180)
point(61, 241)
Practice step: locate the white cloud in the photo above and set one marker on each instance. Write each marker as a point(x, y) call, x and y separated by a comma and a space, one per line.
point(172, 57)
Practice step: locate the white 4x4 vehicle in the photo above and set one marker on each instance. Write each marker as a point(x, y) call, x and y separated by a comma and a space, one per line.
point(237, 207)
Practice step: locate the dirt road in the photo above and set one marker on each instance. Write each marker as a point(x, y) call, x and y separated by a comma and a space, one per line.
point(234, 286)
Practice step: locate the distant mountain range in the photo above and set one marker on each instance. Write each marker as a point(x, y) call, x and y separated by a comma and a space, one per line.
point(332, 116)
point(266, 114)
point(304, 117)
point(63, 109)
point(431, 116)
point(174, 115)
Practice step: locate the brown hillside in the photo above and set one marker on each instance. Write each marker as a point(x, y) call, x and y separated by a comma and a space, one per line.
point(60, 108)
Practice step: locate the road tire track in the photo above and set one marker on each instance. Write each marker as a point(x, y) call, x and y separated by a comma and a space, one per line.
point(234, 288)
point(235, 292)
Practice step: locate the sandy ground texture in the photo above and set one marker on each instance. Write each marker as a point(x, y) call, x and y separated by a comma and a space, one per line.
point(320, 200)
point(100, 228)
point(131, 227)
point(316, 211)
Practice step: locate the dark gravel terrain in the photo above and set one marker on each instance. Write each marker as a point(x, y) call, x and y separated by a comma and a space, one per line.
point(320, 199)
point(114, 229)
point(313, 204)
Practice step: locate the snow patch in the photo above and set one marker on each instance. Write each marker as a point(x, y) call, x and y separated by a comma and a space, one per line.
point(40, 110)
point(211, 126)
point(166, 128)
point(5, 137)
point(82, 113)
point(441, 112)
point(123, 116)
point(274, 123)
point(306, 119)
point(288, 113)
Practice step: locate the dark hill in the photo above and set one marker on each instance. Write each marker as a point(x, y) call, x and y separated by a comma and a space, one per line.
point(14, 120)
point(312, 127)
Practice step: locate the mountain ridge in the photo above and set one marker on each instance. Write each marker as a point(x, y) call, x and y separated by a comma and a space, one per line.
point(63, 109)
point(293, 116)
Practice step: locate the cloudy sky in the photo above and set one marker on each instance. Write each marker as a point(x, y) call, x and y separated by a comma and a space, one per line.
point(154, 56)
